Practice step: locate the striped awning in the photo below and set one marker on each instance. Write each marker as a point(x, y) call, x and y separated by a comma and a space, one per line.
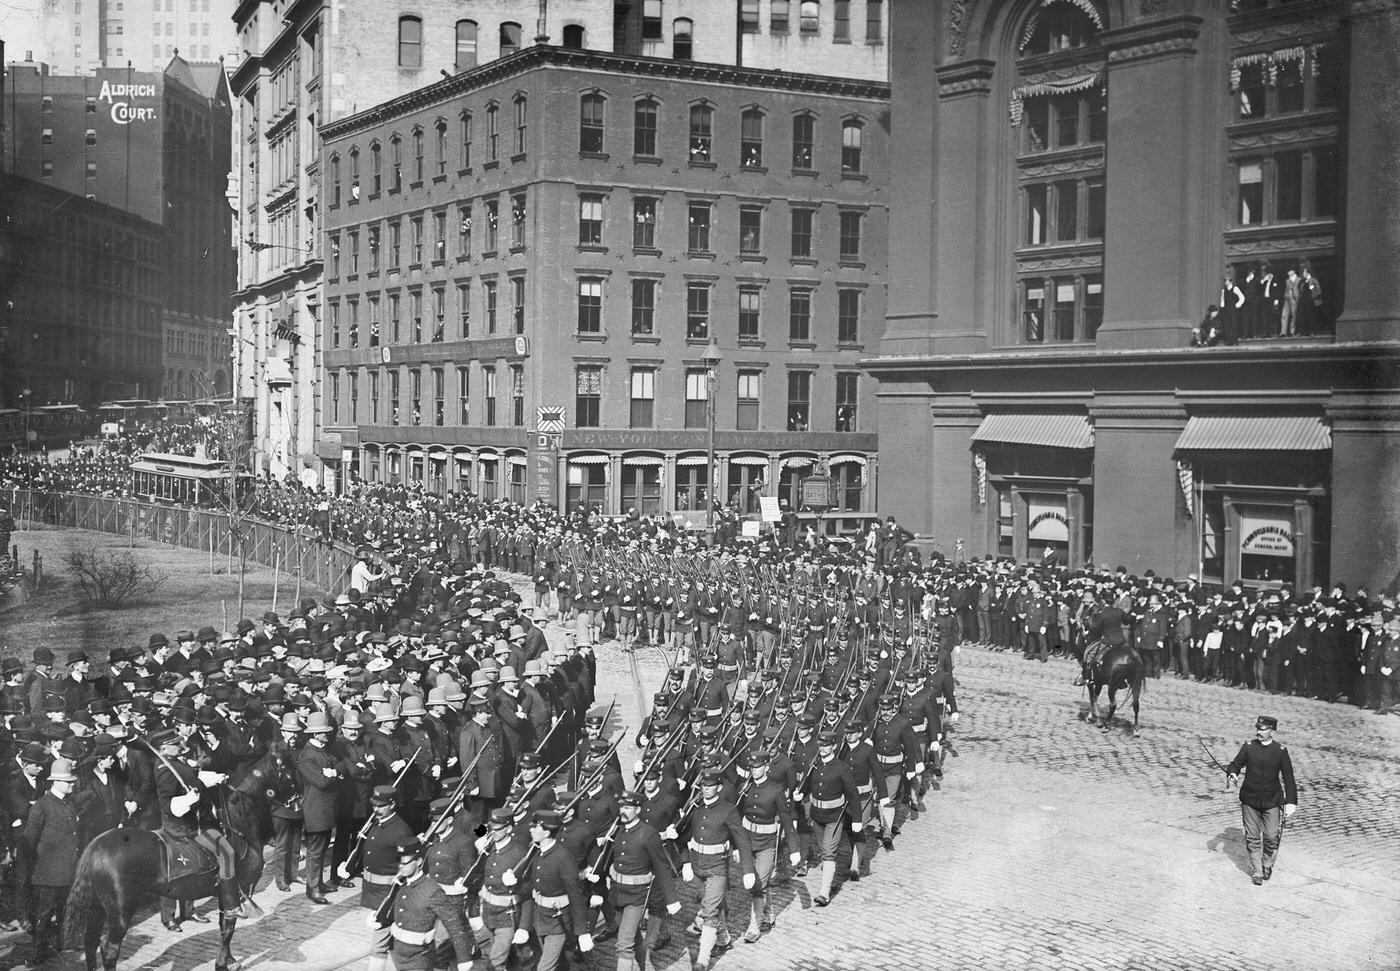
point(747, 460)
point(649, 460)
point(588, 460)
point(846, 460)
point(797, 462)
point(1045, 431)
point(1255, 433)
point(693, 460)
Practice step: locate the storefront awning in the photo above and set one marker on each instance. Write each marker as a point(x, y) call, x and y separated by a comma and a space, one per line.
point(1045, 431)
point(693, 460)
point(846, 460)
point(797, 462)
point(747, 460)
point(1255, 433)
point(588, 460)
point(649, 460)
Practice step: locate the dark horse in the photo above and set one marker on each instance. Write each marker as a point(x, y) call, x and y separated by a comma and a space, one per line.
point(1120, 667)
point(121, 870)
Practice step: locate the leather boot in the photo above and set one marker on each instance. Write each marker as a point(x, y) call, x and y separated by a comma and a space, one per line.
point(230, 899)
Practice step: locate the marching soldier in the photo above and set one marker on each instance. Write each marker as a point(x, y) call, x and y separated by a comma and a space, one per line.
point(641, 884)
point(897, 753)
point(387, 832)
point(767, 815)
point(716, 829)
point(506, 906)
point(561, 908)
point(419, 906)
point(832, 795)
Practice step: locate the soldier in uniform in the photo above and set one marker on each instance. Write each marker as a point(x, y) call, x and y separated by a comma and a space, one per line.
point(716, 830)
point(897, 752)
point(387, 832)
point(561, 909)
point(419, 906)
point(832, 795)
point(641, 882)
point(506, 905)
point(1268, 795)
point(767, 816)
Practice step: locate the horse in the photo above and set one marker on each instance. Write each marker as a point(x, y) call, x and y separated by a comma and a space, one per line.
point(121, 870)
point(1120, 667)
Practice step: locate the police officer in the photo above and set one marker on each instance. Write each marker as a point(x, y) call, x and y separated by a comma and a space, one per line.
point(1267, 796)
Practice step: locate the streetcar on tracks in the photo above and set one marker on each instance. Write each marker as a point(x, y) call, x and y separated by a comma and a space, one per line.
point(187, 480)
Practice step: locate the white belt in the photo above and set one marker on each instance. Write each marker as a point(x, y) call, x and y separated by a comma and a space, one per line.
point(378, 878)
point(713, 712)
point(452, 890)
point(865, 789)
point(762, 829)
point(557, 902)
point(498, 899)
point(890, 759)
point(729, 667)
point(411, 937)
point(921, 727)
point(828, 803)
point(629, 879)
point(709, 849)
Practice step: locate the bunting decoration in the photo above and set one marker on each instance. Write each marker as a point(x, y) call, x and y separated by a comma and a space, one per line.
point(1186, 475)
point(1041, 89)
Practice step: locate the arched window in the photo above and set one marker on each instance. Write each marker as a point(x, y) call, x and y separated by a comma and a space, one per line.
point(335, 180)
point(573, 36)
point(590, 123)
point(682, 39)
point(521, 117)
point(702, 121)
point(466, 45)
point(417, 155)
point(803, 137)
point(410, 41)
point(644, 116)
point(510, 38)
point(852, 134)
point(751, 139)
point(809, 17)
point(396, 160)
point(1060, 25)
point(355, 173)
point(375, 173)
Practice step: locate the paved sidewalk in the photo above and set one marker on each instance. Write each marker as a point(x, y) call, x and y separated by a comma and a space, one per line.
point(1052, 845)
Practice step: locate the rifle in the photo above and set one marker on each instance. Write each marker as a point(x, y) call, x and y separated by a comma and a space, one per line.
point(450, 810)
point(358, 846)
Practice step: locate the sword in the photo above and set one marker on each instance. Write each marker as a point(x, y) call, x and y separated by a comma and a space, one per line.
point(1228, 778)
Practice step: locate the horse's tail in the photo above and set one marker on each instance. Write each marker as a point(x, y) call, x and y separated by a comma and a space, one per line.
point(82, 898)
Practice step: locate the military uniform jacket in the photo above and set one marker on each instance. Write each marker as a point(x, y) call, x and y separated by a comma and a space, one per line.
point(320, 794)
point(1268, 775)
point(419, 908)
point(49, 841)
point(560, 904)
point(381, 859)
point(170, 785)
point(386, 751)
point(767, 813)
point(716, 829)
point(896, 746)
point(940, 687)
point(866, 770)
point(503, 906)
point(449, 859)
point(925, 716)
point(831, 789)
point(640, 871)
point(712, 697)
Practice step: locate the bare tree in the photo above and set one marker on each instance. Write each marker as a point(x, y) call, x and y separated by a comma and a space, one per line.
point(109, 578)
point(228, 436)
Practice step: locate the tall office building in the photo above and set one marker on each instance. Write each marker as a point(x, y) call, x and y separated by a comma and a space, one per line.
point(80, 36)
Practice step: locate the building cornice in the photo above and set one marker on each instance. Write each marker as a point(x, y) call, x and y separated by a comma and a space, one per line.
point(309, 270)
point(542, 55)
point(965, 77)
point(1164, 37)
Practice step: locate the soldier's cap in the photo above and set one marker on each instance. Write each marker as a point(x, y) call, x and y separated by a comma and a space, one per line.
point(653, 772)
point(660, 727)
point(864, 675)
point(409, 849)
point(661, 698)
point(807, 719)
point(501, 818)
point(629, 798)
point(548, 819)
point(163, 737)
point(591, 765)
point(769, 675)
point(383, 796)
point(759, 756)
point(889, 701)
point(1266, 721)
point(750, 718)
point(827, 738)
point(677, 674)
point(563, 799)
point(755, 688)
point(711, 777)
point(709, 661)
point(594, 718)
point(530, 760)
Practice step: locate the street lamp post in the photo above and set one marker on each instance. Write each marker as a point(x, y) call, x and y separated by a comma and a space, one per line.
point(711, 359)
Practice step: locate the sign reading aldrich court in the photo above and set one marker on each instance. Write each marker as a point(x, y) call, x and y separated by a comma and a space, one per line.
point(124, 97)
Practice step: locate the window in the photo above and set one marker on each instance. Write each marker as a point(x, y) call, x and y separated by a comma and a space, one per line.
point(697, 398)
point(464, 231)
point(396, 146)
point(439, 237)
point(697, 311)
point(464, 396)
point(799, 408)
point(691, 490)
point(874, 21)
point(590, 125)
point(590, 219)
point(375, 175)
point(441, 130)
point(493, 135)
point(374, 321)
point(746, 415)
point(802, 233)
point(90, 168)
point(643, 308)
point(748, 313)
point(517, 303)
point(46, 136)
point(466, 149)
point(573, 37)
point(354, 253)
point(651, 19)
point(374, 397)
point(410, 42)
point(1063, 308)
point(439, 403)
point(439, 315)
point(682, 39)
point(510, 38)
point(417, 155)
point(352, 381)
point(415, 396)
point(464, 310)
point(699, 228)
point(394, 389)
point(334, 312)
point(488, 289)
point(748, 16)
point(1250, 182)
point(517, 396)
point(643, 398)
point(415, 301)
point(751, 139)
point(490, 374)
point(395, 321)
point(588, 394)
point(590, 305)
point(334, 269)
point(847, 389)
point(492, 218)
point(1059, 27)
point(850, 235)
point(803, 135)
point(799, 314)
point(644, 128)
point(644, 223)
point(809, 12)
point(778, 14)
point(841, 28)
point(416, 240)
point(851, 132)
point(847, 316)
point(520, 125)
point(701, 131)
point(750, 229)
point(466, 45)
point(395, 235)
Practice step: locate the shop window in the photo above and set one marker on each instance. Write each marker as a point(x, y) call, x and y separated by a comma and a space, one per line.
point(746, 484)
point(849, 485)
point(692, 492)
point(588, 487)
point(641, 489)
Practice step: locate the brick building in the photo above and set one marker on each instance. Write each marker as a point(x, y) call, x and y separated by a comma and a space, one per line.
point(1135, 164)
point(155, 144)
point(572, 229)
point(80, 298)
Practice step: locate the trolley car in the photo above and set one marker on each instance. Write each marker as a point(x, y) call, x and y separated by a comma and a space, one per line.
point(186, 480)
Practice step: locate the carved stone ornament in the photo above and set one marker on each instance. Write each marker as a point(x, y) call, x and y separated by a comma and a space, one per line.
point(959, 14)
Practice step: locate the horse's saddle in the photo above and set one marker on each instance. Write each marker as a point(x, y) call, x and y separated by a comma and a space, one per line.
point(182, 862)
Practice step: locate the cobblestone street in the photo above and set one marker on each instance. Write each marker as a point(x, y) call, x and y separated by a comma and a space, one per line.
point(1051, 845)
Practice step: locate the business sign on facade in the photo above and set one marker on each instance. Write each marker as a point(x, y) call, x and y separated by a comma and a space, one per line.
point(1266, 532)
point(129, 102)
point(1048, 519)
point(549, 419)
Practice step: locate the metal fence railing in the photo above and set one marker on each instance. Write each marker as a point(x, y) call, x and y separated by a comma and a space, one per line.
point(303, 552)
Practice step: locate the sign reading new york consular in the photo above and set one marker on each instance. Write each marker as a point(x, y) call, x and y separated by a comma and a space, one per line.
point(121, 96)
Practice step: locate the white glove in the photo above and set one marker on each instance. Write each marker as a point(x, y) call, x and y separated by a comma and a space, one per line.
point(465, 966)
point(637, 767)
point(918, 767)
point(482, 842)
point(887, 802)
point(857, 826)
point(687, 872)
point(936, 745)
point(343, 870)
point(210, 778)
point(182, 804)
point(371, 922)
point(681, 783)
point(585, 943)
point(522, 936)
point(910, 775)
point(509, 879)
point(595, 901)
point(328, 772)
point(1385, 671)
point(601, 839)
point(130, 807)
point(749, 881)
point(954, 717)
point(669, 833)
point(1289, 809)
point(795, 858)
point(396, 766)
point(476, 923)
point(673, 908)
point(798, 796)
